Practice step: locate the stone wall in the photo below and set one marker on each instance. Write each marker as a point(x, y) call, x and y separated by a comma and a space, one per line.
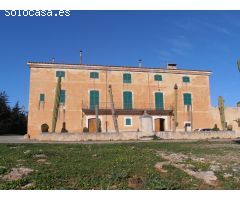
point(199, 135)
point(90, 137)
point(68, 137)
point(231, 114)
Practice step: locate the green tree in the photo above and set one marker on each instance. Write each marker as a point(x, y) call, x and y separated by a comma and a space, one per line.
point(18, 120)
point(12, 120)
point(5, 113)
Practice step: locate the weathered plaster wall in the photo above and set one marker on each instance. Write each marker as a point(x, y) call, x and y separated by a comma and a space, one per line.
point(77, 84)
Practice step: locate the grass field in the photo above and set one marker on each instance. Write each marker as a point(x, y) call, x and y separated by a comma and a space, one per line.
point(119, 166)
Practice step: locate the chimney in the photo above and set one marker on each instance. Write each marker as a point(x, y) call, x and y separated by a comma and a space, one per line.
point(139, 63)
point(171, 66)
point(80, 56)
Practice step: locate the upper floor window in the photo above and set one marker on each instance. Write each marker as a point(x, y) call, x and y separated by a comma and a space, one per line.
point(60, 74)
point(62, 96)
point(127, 100)
point(187, 99)
point(94, 99)
point(42, 97)
point(159, 101)
point(127, 78)
point(186, 79)
point(94, 75)
point(158, 77)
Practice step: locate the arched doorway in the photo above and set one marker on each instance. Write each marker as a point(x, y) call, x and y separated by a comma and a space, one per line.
point(159, 124)
point(92, 127)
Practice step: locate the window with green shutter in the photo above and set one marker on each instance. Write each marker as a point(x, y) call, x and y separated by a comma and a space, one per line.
point(60, 74)
point(127, 78)
point(158, 77)
point(42, 97)
point(94, 98)
point(127, 100)
point(186, 79)
point(187, 98)
point(62, 96)
point(128, 122)
point(159, 101)
point(94, 75)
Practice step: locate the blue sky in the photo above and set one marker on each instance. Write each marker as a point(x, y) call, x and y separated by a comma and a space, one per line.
point(206, 40)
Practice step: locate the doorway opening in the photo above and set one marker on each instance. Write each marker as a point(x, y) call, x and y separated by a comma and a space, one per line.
point(159, 124)
point(92, 126)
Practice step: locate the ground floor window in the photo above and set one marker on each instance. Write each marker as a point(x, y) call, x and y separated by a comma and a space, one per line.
point(127, 121)
point(187, 126)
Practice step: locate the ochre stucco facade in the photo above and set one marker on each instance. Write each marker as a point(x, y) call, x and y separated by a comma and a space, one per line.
point(78, 84)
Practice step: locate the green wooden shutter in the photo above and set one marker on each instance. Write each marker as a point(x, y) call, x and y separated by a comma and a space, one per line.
point(186, 79)
point(94, 98)
point(60, 74)
point(128, 122)
point(127, 78)
point(62, 96)
point(158, 77)
point(159, 101)
point(94, 75)
point(127, 100)
point(187, 97)
point(42, 97)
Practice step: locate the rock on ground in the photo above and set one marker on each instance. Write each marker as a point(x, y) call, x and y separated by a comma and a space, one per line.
point(28, 186)
point(17, 173)
point(159, 166)
point(177, 160)
point(40, 156)
point(136, 183)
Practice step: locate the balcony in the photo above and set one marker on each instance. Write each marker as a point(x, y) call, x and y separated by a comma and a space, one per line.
point(138, 108)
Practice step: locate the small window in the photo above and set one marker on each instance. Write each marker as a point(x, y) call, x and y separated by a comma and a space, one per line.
point(60, 74)
point(186, 79)
point(187, 98)
point(42, 97)
point(158, 77)
point(128, 122)
point(127, 78)
point(94, 75)
point(62, 96)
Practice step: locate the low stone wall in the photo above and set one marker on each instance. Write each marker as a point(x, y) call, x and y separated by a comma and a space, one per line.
point(199, 135)
point(90, 136)
point(68, 137)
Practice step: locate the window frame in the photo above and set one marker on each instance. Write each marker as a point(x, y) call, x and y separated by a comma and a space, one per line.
point(94, 75)
point(42, 97)
point(163, 102)
point(125, 121)
point(60, 74)
point(184, 98)
point(62, 99)
point(186, 79)
point(90, 105)
point(158, 75)
point(127, 80)
point(128, 107)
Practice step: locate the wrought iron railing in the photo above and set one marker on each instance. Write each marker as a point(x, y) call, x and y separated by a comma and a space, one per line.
point(119, 105)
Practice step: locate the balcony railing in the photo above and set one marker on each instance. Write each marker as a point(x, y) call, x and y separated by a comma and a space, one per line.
point(137, 108)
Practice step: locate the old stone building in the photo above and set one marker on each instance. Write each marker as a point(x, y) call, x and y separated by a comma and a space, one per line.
point(67, 97)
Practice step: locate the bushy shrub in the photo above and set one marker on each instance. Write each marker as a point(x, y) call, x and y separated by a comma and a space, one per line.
point(85, 130)
point(64, 130)
point(215, 128)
